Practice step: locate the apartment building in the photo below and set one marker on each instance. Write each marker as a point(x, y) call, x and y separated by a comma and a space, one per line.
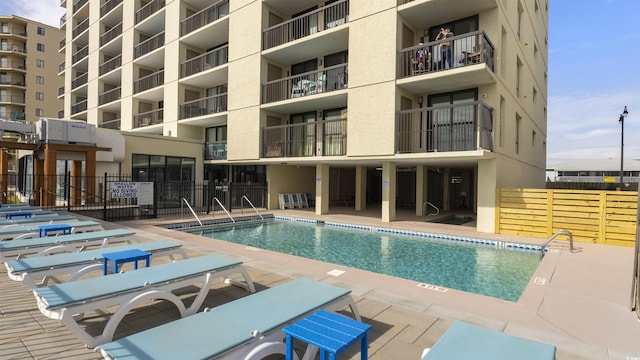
point(29, 64)
point(366, 104)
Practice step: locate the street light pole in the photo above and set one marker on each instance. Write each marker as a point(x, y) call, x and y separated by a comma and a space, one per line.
point(621, 121)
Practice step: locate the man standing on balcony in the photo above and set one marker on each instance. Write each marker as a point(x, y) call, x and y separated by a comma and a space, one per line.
point(445, 47)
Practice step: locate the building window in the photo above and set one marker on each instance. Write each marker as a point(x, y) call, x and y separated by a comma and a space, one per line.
point(40, 80)
point(39, 112)
point(40, 30)
point(40, 47)
point(39, 96)
point(40, 63)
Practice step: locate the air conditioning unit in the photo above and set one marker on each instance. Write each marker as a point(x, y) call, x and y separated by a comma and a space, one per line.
point(63, 131)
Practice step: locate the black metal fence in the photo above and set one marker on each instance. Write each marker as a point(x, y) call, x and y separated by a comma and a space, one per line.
point(119, 197)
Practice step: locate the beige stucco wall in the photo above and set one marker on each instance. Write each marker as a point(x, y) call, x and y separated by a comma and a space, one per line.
point(289, 179)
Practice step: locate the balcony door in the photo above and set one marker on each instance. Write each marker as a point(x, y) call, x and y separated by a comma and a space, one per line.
point(302, 137)
point(451, 121)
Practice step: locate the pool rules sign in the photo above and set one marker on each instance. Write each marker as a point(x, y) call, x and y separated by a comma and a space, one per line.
point(143, 191)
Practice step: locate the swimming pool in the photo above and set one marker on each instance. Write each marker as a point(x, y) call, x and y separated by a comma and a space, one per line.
point(485, 267)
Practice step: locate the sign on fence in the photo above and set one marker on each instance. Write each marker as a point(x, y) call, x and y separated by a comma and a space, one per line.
point(143, 191)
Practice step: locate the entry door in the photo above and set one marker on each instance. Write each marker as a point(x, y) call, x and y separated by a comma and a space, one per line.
point(302, 137)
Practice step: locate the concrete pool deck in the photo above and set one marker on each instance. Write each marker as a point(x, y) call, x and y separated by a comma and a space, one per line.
point(577, 301)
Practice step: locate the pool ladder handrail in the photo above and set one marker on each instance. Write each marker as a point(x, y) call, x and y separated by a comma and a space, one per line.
point(244, 197)
point(554, 236)
point(424, 212)
point(215, 199)
point(184, 200)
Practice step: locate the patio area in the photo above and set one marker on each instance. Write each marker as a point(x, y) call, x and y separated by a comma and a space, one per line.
point(577, 301)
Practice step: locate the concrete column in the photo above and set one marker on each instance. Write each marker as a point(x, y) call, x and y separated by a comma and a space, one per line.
point(487, 181)
point(322, 189)
point(4, 177)
point(421, 188)
point(388, 191)
point(446, 203)
point(76, 183)
point(361, 188)
point(48, 197)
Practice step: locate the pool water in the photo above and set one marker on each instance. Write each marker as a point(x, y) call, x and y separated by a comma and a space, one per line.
point(477, 268)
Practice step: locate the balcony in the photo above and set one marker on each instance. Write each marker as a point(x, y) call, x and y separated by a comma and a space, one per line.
point(216, 150)
point(13, 99)
point(209, 105)
point(110, 64)
point(79, 80)
point(13, 65)
point(325, 18)
point(61, 67)
point(80, 28)
point(321, 138)
point(109, 96)
point(19, 31)
point(148, 82)
point(204, 17)
point(111, 34)
point(108, 6)
point(63, 20)
point(18, 116)
point(79, 107)
point(110, 124)
point(206, 61)
point(148, 118)
point(80, 54)
point(78, 4)
point(63, 43)
point(314, 82)
point(149, 10)
point(463, 127)
point(12, 80)
point(61, 90)
point(13, 47)
point(149, 45)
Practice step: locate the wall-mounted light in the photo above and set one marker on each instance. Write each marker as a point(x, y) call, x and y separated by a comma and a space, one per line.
point(420, 99)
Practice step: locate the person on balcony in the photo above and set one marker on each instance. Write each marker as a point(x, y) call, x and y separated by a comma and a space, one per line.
point(445, 47)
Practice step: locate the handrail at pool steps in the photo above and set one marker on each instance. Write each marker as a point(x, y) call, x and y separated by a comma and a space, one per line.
point(216, 200)
point(424, 210)
point(190, 208)
point(554, 236)
point(244, 197)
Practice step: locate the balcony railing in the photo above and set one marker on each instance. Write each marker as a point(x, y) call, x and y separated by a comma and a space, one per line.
point(61, 90)
point(110, 124)
point(455, 52)
point(20, 31)
point(209, 105)
point(463, 127)
point(149, 45)
point(82, 26)
point(111, 64)
point(63, 19)
point(204, 17)
point(148, 118)
point(108, 6)
point(79, 107)
point(321, 138)
point(13, 47)
point(205, 61)
point(78, 4)
point(402, 2)
point(80, 54)
point(63, 43)
point(79, 81)
point(61, 67)
point(12, 80)
point(321, 19)
point(60, 114)
point(148, 82)
point(19, 99)
point(109, 96)
point(17, 65)
point(111, 34)
point(149, 9)
point(314, 82)
point(216, 150)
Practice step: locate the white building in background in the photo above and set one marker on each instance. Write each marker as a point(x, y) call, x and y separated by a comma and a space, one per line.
point(594, 170)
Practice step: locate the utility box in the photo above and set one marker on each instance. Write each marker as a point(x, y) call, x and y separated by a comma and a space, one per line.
point(61, 131)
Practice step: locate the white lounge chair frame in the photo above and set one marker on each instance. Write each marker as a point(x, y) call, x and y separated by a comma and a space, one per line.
point(30, 231)
point(63, 243)
point(38, 220)
point(69, 301)
point(36, 271)
point(252, 326)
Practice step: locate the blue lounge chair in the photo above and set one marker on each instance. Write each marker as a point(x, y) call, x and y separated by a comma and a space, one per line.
point(78, 264)
point(29, 231)
point(129, 289)
point(63, 243)
point(284, 201)
point(247, 328)
point(466, 341)
point(38, 220)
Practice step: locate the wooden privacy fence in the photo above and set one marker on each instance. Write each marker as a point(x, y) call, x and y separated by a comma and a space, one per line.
point(595, 216)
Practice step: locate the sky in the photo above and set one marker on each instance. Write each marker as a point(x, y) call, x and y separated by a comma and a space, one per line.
point(594, 72)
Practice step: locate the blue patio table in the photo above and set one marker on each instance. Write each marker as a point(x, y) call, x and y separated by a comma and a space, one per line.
point(122, 257)
point(330, 332)
point(12, 214)
point(44, 230)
